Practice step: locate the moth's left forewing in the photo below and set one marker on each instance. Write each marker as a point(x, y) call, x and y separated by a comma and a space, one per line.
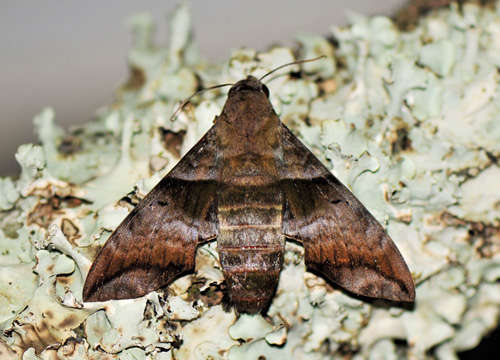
point(343, 242)
point(157, 241)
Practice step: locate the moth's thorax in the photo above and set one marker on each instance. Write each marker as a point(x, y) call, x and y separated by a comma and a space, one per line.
point(247, 133)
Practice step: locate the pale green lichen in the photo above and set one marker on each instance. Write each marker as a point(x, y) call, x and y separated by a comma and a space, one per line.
point(409, 121)
point(8, 194)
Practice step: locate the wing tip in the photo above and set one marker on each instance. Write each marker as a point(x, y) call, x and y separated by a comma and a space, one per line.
point(107, 293)
point(371, 284)
point(394, 289)
point(405, 295)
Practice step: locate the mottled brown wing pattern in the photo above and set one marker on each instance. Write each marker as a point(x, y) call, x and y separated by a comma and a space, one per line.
point(343, 242)
point(158, 239)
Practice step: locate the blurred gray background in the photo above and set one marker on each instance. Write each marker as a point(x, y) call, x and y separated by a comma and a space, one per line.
point(71, 55)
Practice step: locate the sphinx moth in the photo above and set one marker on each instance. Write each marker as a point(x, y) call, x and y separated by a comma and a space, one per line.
point(250, 184)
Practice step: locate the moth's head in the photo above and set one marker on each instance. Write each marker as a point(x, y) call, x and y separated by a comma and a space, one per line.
point(249, 84)
point(244, 86)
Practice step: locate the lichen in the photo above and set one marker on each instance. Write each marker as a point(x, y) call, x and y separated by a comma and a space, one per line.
point(410, 121)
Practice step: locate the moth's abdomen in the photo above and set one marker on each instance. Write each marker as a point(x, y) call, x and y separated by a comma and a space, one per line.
point(251, 244)
point(252, 275)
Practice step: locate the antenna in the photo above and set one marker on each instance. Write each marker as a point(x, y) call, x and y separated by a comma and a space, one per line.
point(292, 63)
point(186, 101)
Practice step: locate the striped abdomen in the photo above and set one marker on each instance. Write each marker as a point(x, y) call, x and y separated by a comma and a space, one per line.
point(251, 244)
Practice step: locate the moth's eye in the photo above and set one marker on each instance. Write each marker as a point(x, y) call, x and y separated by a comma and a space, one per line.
point(265, 90)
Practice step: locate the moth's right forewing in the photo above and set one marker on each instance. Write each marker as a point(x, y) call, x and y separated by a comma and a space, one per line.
point(158, 239)
point(343, 242)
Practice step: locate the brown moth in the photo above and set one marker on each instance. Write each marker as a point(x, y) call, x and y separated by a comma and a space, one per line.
point(250, 184)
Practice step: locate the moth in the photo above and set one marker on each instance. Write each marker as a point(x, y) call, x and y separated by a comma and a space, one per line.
point(250, 184)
